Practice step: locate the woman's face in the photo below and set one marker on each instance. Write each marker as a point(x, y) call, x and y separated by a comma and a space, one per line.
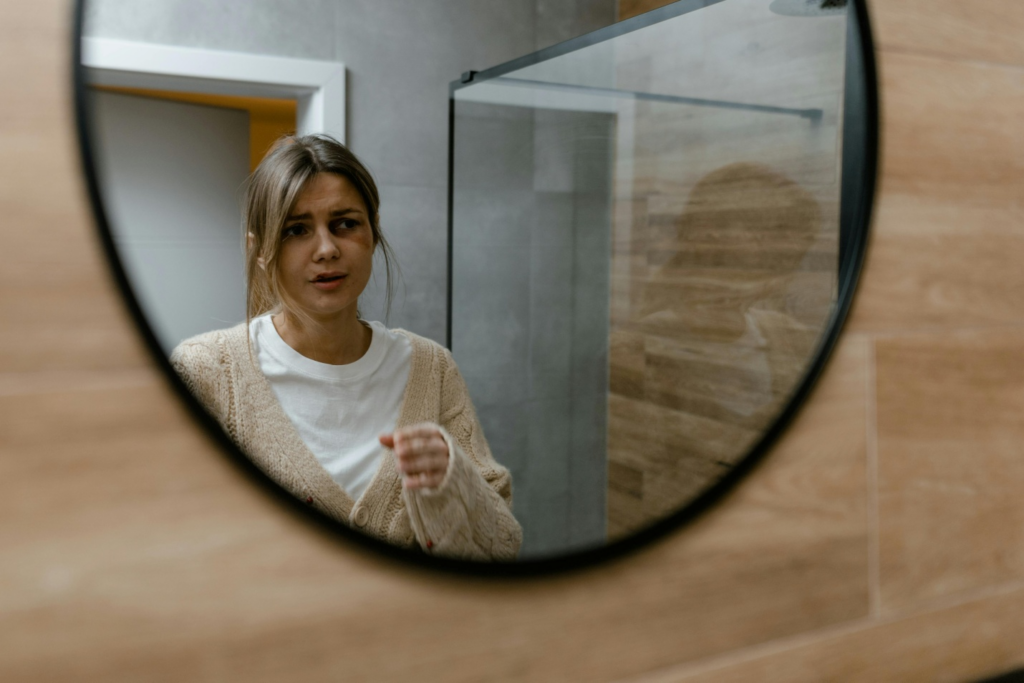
point(327, 248)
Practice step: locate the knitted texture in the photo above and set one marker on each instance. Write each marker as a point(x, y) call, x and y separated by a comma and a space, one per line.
point(468, 516)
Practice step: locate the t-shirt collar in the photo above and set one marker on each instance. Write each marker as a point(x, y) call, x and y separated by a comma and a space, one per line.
point(267, 337)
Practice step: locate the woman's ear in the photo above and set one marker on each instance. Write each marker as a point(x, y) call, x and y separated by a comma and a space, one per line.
point(250, 239)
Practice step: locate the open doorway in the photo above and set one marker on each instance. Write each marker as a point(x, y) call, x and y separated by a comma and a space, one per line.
point(269, 117)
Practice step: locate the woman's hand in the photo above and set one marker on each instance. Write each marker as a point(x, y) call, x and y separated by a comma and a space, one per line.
point(420, 453)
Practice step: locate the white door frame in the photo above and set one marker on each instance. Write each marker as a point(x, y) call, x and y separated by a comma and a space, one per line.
point(318, 86)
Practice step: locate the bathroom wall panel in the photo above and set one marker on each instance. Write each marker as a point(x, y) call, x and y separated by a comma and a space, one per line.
point(112, 485)
point(953, 166)
point(65, 326)
point(950, 468)
point(962, 641)
point(56, 300)
point(923, 274)
point(130, 459)
point(933, 96)
point(985, 30)
point(52, 271)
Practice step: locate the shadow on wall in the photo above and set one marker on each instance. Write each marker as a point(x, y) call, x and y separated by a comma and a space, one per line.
point(715, 339)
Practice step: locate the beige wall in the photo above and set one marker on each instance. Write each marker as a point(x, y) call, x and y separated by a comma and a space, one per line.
point(882, 540)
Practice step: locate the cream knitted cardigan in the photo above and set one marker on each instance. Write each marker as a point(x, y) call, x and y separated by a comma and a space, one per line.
point(468, 516)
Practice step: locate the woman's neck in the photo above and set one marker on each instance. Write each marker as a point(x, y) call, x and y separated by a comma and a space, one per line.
point(336, 342)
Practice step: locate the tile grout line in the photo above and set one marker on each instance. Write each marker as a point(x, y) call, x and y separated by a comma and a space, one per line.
point(873, 513)
point(938, 329)
point(882, 47)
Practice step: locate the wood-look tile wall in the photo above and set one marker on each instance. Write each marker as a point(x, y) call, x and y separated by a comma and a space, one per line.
point(880, 541)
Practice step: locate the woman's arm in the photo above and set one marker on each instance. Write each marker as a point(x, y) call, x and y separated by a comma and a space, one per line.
point(469, 514)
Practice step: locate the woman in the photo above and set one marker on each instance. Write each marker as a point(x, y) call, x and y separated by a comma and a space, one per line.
point(373, 427)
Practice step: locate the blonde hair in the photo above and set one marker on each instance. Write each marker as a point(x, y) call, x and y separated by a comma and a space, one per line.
point(271, 192)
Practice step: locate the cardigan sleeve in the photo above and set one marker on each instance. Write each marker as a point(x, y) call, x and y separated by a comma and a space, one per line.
point(469, 516)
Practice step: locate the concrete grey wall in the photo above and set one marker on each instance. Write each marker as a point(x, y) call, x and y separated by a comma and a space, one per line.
point(559, 20)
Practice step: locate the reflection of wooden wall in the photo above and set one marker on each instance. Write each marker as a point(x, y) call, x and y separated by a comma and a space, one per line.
point(717, 306)
point(724, 261)
point(880, 541)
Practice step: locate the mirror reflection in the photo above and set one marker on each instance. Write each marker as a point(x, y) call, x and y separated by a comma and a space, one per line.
point(629, 241)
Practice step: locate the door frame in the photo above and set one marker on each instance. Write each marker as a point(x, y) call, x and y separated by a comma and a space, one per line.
point(317, 86)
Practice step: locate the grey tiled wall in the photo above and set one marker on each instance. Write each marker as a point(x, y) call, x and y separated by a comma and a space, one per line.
point(530, 307)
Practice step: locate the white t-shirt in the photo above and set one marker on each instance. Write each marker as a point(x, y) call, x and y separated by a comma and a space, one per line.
point(338, 410)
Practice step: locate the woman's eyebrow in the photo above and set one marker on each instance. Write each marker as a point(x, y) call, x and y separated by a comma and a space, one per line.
point(336, 212)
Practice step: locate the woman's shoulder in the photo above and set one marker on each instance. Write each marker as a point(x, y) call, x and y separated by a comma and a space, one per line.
point(434, 365)
point(204, 362)
point(209, 348)
point(424, 347)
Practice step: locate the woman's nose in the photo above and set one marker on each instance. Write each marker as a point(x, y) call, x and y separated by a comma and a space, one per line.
point(326, 245)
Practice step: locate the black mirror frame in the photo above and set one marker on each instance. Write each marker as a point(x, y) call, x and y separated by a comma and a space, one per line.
point(856, 211)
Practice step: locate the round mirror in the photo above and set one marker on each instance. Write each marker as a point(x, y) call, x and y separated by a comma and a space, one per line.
point(503, 287)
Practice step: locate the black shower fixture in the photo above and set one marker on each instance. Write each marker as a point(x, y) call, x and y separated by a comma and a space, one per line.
point(808, 8)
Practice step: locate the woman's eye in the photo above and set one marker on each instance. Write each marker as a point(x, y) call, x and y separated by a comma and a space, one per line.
point(292, 230)
point(347, 224)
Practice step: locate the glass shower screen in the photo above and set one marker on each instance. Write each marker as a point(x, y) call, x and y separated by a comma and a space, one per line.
point(644, 255)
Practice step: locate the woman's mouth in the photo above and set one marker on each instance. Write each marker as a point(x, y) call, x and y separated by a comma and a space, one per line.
point(327, 281)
